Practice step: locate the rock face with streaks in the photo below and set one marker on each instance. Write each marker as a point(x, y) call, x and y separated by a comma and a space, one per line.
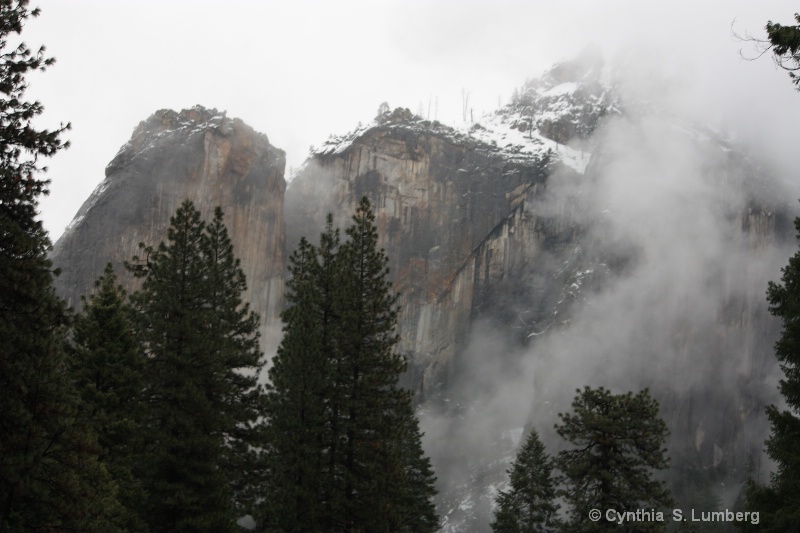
point(559, 242)
point(457, 208)
point(575, 244)
point(438, 195)
point(197, 154)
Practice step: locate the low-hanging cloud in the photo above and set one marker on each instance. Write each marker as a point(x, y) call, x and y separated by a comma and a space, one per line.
point(680, 232)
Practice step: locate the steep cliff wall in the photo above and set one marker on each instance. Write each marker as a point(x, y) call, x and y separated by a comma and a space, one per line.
point(647, 271)
point(646, 268)
point(196, 154)
point(437, 196)
point(556, 244)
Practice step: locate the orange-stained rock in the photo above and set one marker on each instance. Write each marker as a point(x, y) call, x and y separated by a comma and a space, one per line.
point(197, 154)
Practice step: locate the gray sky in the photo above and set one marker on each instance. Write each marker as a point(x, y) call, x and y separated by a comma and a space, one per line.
point(300, 70)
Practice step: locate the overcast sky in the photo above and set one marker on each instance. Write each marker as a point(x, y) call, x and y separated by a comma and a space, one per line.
point(299, 71)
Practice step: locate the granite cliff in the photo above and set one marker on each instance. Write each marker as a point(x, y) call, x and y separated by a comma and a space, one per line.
point(197, 154)
point(438, 196)
point(557, 242)
point(455, 206)
point(561, 241)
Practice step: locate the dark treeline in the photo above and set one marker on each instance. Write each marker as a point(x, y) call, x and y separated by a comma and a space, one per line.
point(344, 448)
point(144, 412)
point(168, 379)
point(616, 445)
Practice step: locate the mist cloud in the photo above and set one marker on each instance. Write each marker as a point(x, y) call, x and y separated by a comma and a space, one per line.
point(681, 232)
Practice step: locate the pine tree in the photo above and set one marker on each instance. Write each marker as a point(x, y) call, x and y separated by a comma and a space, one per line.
point(50, 476)
point(297, 392)
point(785, 44)
point(295, 400)
point(201, 375)
point(407, 486)
point(374, 407)
point(779, 502)
point(107, 363)
point(233, 343)
point(618, 443)
point(353, 457)
point(529, 504)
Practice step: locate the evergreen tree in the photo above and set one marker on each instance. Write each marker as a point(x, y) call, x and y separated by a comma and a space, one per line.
point(529, 505)
point(201, 375)
point(618, 442)
point(233, 344)
point(353, 458)
point(407, 486)
point(297, 393)
point(107, 365)
point(50, 476)
point(377, 419)
point(785, 44)
point(779, 502)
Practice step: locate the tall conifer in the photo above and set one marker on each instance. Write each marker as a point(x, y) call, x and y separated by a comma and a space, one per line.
point(107, 363)
point(785, 44)
point(529, 505)
point(343, 437)
point(297, 396)
point(201, 377)
point(382, 454)
point(779, 502)
point(233, 344)
point(618, 444)
point(50, 476)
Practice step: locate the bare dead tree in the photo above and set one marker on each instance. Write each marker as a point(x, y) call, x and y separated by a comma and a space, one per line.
point(464, 103)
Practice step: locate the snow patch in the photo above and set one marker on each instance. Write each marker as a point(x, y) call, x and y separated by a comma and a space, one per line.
point(88, 205)
point(561, 89)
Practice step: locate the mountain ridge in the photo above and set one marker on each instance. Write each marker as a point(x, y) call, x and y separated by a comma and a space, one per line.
point(532, 249)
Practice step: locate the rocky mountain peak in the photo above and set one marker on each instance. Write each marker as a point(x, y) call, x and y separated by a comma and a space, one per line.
point(520, 266)
point(167, 123)
point(565, 103)
point(586, 68)
point(198, 154)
